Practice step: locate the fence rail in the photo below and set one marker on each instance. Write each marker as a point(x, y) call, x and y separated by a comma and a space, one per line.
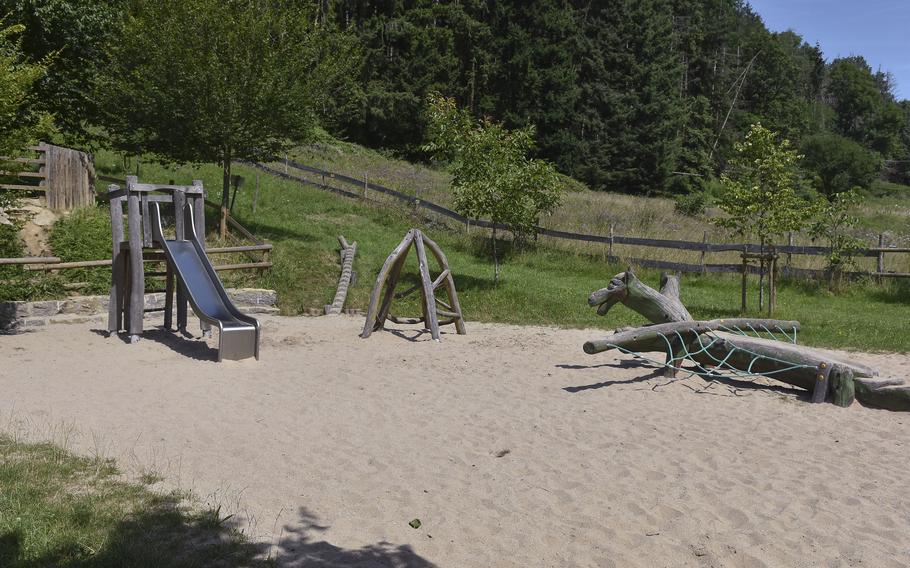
point(362, 187)
point(50, 263)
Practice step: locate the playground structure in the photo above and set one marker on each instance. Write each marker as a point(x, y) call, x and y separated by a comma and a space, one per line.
point(189, 273)
point(743, 347)
point(347, 277)
point(436, 311)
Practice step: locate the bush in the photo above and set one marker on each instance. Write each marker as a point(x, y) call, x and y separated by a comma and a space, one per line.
point(839, 164)
point(84, 235)
point(692, 204)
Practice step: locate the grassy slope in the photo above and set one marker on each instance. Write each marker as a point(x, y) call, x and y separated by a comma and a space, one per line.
point(540, 287)
point(57, 509)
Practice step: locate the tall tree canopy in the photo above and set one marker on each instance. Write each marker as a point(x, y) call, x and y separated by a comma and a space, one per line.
point(220, 80)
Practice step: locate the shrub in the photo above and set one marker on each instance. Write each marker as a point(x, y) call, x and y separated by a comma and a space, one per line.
point(692, 204)
point(84, 235)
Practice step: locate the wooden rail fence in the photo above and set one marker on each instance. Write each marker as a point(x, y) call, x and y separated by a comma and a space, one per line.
point(361, 188)
point(64, 176)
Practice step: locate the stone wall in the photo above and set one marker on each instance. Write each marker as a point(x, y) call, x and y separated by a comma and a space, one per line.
point(20, 316)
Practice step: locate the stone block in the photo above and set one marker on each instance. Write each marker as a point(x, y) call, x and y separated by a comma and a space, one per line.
point(81, 305)
point(35, 322)
point(45, 309)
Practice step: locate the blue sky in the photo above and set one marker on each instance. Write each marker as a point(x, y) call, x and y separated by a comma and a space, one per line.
point(879, 30)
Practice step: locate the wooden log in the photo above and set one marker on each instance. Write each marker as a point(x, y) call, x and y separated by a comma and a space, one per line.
point(137, 277)
point(168, 297)
point(627, 289)
point(449, 282)
point(429, 304)
point(890, 393)
point(651, 338)
point(115, 301)
point(404, 321)
point(344, 280)
point(391, 261)
point(36, 259)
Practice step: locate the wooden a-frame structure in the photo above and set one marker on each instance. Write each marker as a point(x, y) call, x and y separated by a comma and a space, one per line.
point(436, 312)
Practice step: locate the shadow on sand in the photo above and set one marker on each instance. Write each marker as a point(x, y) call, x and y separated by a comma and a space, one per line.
point(163, 535)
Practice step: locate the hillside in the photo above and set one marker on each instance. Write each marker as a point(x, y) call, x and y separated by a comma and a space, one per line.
point(543, 285)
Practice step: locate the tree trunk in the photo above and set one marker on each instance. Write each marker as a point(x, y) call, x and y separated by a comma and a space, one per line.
point(225, 195)
point(657, 307)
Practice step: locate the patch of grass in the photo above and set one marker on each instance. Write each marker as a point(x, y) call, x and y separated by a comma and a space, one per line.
point(541, 285)
point(85, 234)
point(57, 509)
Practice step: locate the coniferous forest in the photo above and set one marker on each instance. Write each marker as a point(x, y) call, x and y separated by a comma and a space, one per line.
point(638, 96)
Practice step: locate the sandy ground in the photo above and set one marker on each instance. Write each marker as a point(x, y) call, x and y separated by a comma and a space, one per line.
point(512, 447)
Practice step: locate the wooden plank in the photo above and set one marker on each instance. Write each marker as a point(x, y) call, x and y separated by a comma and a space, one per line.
point(31, 260)
point(892, 274)
point(146, 222)
point(41, 175)
point(23, 160)
point(242, 266)
point(145, 187)
point(23, 187)
point(246, 248)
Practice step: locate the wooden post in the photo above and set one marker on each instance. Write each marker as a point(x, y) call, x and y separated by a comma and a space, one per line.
point(179, 234)
point(772, 285)
point(199, 222)
point(745, 276)
point(611, 243)
point(137, 273)
point(168, 297)
point(256, 195)
point(880, 267)
point(704, 242)
point(118, 284)
point(820, 392)
point(789, 244)
point(366, 185)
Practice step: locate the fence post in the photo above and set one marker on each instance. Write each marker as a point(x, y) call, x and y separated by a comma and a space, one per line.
point(789, 244)
point(611, 242)
point(745, 272)
point(256, 195)
point(366, 185)
point(704, 242)
point(881, 255)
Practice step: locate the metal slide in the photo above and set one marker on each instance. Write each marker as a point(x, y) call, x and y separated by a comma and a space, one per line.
point(238, 336)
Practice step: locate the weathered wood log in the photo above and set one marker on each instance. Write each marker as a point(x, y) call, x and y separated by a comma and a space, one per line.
point(390, 262)
point(378, 312)
point(657, 307)
point(348, 251)
point(651, 337)
point(890, 393)
point(449, 282)
point(429, 304)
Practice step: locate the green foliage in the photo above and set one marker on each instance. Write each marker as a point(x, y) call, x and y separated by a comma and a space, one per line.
point(75, 34)
point(833, 219)
point(216, 81)
point(492, 177)
point(20, 123)
point(839, 164)
point(864, 106)
point(84, 235)
point(761, 188)
point(691, 204)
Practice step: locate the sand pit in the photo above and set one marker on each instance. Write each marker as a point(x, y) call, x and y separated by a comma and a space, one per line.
point(510, 445)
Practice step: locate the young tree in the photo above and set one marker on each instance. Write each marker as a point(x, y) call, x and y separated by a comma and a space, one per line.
point(20, 125)
point(833, 218)
point(760, 197)
point(220, 80)
point(492, 175)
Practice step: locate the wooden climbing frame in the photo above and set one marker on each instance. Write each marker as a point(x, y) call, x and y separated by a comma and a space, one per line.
point(436, 312)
